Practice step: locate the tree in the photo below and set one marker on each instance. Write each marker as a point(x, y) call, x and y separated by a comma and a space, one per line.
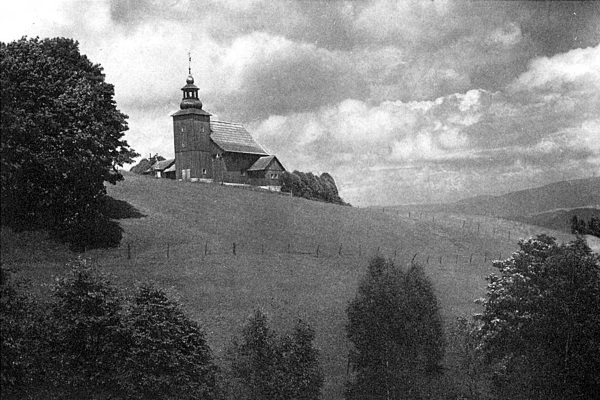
point(541, 321)
point(396, 330)
point(168, 356)
point(578, 226)
point(62, 136)
point(594, 226)
point(272, 367)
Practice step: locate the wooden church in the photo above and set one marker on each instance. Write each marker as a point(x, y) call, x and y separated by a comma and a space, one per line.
point(218, 151)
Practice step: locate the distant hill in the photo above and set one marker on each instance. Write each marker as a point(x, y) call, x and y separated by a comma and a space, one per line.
point(565, 195)
point(559, 220)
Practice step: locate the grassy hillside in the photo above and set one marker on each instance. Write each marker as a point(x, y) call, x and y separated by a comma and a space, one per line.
point(181, 235)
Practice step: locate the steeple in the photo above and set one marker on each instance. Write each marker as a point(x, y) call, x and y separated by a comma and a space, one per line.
point(190, 91)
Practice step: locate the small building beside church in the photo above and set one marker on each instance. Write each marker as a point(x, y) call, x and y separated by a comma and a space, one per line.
point(218, 151)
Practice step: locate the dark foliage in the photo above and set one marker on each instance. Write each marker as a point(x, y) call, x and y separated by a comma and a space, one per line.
point(168, 357)
point(541, 322)
point(21, 335)
point(396, 330)
point(272, 367)
point(579, 226)
point(90, 341)
point(312, 187)
point(62, 137)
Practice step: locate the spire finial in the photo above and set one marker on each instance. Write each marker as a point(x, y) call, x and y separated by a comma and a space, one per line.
point(190, 63)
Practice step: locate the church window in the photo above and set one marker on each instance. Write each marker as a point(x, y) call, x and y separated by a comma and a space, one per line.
point(203, 171)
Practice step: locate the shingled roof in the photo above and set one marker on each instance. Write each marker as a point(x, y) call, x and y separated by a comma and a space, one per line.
point(233, 137)
point(263, 163)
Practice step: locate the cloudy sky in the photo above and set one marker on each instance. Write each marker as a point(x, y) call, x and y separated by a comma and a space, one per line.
point(401, 101)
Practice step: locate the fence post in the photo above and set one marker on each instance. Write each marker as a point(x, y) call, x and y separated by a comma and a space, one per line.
point(508, 235)
point(289, 248)
point(167, 251)
point(233, 248)
point(206, 249)
point(478, 227)
point(318, 250)
point(340, 250)
point(409, 214)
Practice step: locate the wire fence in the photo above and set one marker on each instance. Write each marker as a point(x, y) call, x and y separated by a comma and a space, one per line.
point(172, 251)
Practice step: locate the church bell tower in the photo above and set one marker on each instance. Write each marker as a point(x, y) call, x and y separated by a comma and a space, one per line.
point(191, 134)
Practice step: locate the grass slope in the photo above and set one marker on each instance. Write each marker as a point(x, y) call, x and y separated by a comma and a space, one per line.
point(276, 267)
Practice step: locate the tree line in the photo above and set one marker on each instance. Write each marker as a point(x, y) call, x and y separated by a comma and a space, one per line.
point(580, 227)
point(92, 340)
point(312, 187)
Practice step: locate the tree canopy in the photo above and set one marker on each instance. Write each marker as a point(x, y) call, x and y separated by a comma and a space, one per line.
point(62, 135)
point(541, 322)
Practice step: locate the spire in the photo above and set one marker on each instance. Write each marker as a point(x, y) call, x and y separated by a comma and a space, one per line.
point(190, 91)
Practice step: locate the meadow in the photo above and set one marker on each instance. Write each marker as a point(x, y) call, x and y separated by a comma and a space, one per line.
point(224, 251)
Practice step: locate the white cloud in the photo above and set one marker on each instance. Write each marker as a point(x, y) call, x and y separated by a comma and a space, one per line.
point(578, 66)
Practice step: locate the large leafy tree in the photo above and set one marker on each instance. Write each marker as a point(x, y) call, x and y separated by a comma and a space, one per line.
point(62, 134)
point(395, 327)
point(541, 323)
